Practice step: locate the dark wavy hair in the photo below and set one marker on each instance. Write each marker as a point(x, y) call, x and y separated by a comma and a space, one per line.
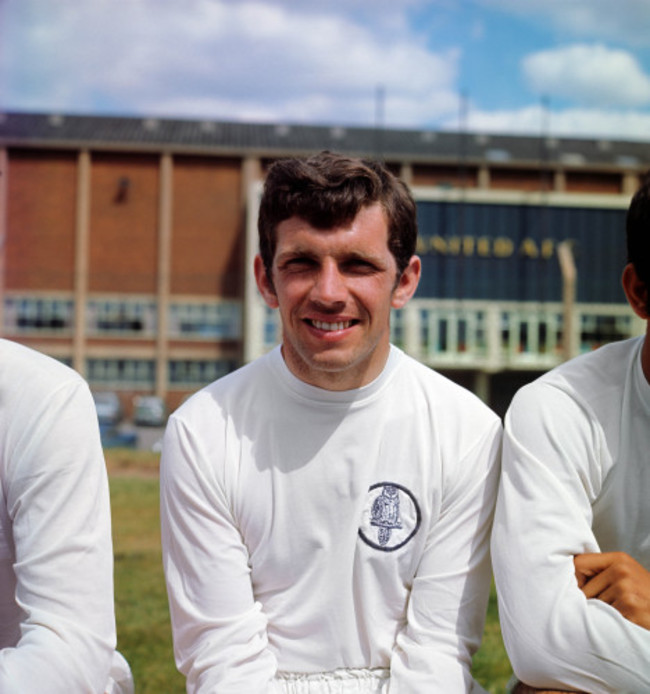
point(328, 190)
point(637, 232)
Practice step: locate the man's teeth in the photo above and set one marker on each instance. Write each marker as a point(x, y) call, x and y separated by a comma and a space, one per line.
point(331, 326)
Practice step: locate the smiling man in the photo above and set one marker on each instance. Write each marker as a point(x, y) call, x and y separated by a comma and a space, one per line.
point(326, 509)
point(335, 289)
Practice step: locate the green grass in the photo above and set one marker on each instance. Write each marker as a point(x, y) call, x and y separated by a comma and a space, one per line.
point(491, 666)
point(142, 614)
point(143, 628)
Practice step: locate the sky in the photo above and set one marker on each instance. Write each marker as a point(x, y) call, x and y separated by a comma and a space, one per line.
point(554, 67)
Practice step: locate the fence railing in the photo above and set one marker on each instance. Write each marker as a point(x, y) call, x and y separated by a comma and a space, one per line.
point(492, 336)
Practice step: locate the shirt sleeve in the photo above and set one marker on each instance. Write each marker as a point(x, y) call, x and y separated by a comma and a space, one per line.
point(219, 630)
point(448, 601)
point(57, 505)
point(552, 473)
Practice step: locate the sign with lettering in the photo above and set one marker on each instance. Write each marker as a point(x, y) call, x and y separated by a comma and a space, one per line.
point(487, 246)
point(509, 252)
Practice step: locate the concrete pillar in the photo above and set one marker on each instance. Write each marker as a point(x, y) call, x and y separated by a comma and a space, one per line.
point(412, 332)
point(493, 337)
point(82, 238)
point(4, 186)
point(253, 309)
point(630, 184)
point(164, 272)
point(559, 182)
point(483, 177)
point(406, 174)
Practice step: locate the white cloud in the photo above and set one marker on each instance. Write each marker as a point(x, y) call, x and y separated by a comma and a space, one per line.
point(588, 74)
point(319, 61)
point(223, 59)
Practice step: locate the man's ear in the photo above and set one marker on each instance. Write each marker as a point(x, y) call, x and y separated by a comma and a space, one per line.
point(635, 291)
point(407, 283)
point(264, 284)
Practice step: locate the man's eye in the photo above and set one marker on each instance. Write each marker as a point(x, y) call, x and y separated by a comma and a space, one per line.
point(299, 263)
point(360, 266)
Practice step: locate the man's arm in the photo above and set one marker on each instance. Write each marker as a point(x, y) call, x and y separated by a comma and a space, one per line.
point(551, 475)
point(614, 578)
point(448, 602)
point(56, 495)
point(220, 639)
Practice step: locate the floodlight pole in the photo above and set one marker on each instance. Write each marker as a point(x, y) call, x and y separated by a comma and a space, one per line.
point(569, 275)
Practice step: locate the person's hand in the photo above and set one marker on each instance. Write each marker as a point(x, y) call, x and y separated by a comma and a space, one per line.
point(618, 580)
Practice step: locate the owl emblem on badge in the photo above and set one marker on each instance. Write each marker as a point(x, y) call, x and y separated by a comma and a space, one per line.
point(391, 516)
point(385, 513)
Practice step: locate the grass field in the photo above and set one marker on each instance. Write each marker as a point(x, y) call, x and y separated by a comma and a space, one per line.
point(143, 629)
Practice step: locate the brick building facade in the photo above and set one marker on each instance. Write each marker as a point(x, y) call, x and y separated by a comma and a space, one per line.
point(127, 242)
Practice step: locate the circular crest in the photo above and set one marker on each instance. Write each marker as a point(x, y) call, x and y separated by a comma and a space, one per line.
point(391, 516)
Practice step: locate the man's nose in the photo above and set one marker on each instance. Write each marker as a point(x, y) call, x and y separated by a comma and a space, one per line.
point(329, 286)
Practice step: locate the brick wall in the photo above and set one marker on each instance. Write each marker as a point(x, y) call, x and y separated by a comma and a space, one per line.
point(123, 247)
point(207, 227)
point(41, 221)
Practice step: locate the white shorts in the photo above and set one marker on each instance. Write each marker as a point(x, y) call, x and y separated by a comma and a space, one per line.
point(343, 681)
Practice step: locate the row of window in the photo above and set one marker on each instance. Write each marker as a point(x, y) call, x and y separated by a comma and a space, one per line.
point(131, 317)
point(141, 373)
point(448, 331)
point(451, 332)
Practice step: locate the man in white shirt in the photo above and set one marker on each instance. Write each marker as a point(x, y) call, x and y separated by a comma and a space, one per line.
point(571, 539)
point(57, 622)
point(326, 509)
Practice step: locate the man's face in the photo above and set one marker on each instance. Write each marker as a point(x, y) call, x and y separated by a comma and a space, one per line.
point(335, 289)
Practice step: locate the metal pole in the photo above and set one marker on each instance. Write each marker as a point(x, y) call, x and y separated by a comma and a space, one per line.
point(569, 275)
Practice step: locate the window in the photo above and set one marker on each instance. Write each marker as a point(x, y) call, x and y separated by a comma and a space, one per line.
point(397, 327)
point(193, 373)
point(24, 315)
point(131, 317)
point(596, 330)
point(272, 330)
point(121, 373)
point(218, 320)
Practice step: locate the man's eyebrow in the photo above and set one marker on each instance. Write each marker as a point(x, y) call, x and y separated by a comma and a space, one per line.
point(342, 257)
point(298, 252)
point(356, 255)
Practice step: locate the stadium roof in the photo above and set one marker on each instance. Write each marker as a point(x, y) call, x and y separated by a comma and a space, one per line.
point(273, 140)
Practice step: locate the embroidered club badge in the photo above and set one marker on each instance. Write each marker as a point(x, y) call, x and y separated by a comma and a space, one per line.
point(391, 516)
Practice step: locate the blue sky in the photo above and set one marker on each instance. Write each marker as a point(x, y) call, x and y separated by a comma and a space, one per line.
point(565, 67)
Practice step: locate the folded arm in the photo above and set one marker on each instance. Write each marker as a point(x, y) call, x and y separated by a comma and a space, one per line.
point(556, 637)
point(616, 579)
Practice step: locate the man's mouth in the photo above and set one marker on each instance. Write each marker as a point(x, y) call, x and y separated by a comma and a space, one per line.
point(330, 327)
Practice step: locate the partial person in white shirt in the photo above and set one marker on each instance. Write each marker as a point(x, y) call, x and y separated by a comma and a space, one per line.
point(326, 509)
point(571, 539)
point(57, 621)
